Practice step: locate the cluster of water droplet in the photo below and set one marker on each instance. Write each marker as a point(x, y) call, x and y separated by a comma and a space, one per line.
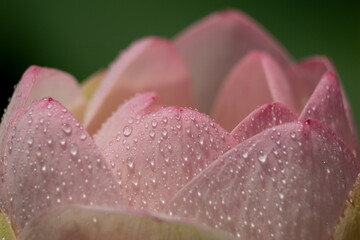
point(155, 154)
point(52, 161)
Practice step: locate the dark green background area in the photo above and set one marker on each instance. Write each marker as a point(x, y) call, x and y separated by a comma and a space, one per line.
point(81, 37)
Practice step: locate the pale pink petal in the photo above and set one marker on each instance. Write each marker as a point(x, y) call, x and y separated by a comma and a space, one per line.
point(36, 83)
point(213, 45)
point(305, 75)
point(127, 113)
point(150, 64)
point(326, 104)
point(50, 161)
point(255, 80)
point(155, 153)
point(262, 118)
point(94, 223)
point(289, 182)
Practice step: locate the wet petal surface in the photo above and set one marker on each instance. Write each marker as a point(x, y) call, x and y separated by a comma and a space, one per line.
point(326, 104)
point(290, 182)
point(153, 154)
point(51, 161)
point(262, 118)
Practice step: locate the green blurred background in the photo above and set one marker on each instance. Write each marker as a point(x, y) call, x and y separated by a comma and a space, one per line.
point(81, 37)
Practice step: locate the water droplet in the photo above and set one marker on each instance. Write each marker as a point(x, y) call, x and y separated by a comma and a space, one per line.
point(66, 128)
point(151, 133)
point(82, 136)
point(153, 123)
point(74, 149)
point(63, 142)
point(130, 163)
point(262, 156)
point(30, 141)
point(164, 133)
point(127, 130)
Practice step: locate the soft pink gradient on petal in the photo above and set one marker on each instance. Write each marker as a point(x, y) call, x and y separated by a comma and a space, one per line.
point(158, 152)
point(326, 104)
point(52, 161)
point(262, 118)
point(129, 111)
point(290, 182)
point(36, 83)
point(304, 77)
point(150, 64)
point(213, 45)
point(76, 222)
point(255, 80)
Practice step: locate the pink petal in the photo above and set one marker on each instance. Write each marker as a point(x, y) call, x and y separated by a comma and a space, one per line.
point(150, 64)
point(262, 118)
point(290, 182)
point(155, 153)
point(305, 75)
point(94, 223)
point(213, 45)
point(326, 104)
point(129, 111)
point(50, 161)
point(36, 83)
point(254, 81)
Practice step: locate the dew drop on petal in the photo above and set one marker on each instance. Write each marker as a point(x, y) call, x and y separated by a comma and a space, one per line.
point(74, 149)
point(127, 130)
point(66, 128)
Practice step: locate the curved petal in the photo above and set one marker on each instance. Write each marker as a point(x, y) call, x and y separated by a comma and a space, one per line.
point(127, 113)
point(93, 223)
point(150, 64)
point(213, 45)
point(52, 161)
point(36, 83)
point(255, 80)
point(156, 153)
point(305, 75)
point(326, 104)
point(262, 118)
point(290, 182)
point(91, 84)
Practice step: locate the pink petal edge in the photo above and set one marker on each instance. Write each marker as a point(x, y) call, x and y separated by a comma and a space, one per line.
point(262, 118)
point(153, 153)
point(52, 161)
point(326, 104)
point(150, 64)
point(214, 44)
point(290, 182)
point(255, 80)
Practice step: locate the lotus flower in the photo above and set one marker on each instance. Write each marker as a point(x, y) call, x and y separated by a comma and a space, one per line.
point(126, 156)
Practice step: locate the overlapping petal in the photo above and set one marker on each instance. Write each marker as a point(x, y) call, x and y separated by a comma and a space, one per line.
point(150, 64)
point(326, 104)
point(90, 223)
point(255, 80)
point(213, 45)
point(51, 161)
point(304, 77)
point(289, 182)
point(262, 118)
point(155, 153)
